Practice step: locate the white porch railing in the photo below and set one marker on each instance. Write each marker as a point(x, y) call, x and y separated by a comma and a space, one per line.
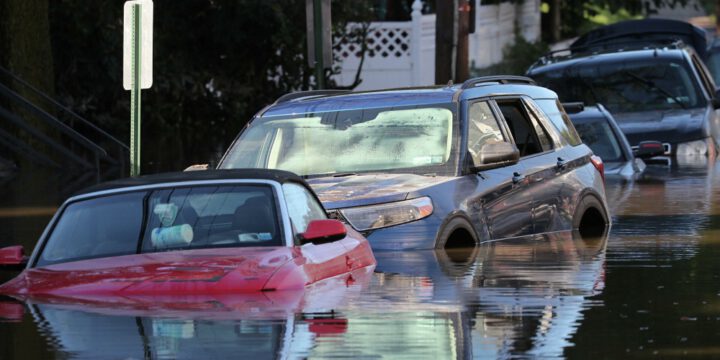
point(403, 53)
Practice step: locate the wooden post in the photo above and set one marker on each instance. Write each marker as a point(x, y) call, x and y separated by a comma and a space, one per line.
point(416, 42)
point(444, 40)
point(462, 66)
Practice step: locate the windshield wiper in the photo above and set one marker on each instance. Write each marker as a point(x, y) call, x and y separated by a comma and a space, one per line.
point(652, 85)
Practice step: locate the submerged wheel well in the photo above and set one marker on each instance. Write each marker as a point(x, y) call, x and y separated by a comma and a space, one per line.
point(593, 221)
point(460, 238)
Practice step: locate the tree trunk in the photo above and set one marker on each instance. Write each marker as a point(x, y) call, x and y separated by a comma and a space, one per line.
point(555, 20)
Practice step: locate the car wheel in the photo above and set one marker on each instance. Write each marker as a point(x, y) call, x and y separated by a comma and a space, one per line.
point(590, 218)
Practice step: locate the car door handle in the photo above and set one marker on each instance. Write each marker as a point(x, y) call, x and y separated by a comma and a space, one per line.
point(561, 163)
point(517, 177)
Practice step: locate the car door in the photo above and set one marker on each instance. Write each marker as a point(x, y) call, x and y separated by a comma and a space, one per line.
point(538, 159)
point(501, 192)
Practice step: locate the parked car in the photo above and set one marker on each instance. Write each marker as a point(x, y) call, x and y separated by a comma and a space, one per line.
point(189, 233)
point(662, 93)
point(646, 31)
point(598, 130)
point(446, 166)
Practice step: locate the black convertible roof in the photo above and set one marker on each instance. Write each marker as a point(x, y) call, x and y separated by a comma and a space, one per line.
point(261, 174)
point(649, 31)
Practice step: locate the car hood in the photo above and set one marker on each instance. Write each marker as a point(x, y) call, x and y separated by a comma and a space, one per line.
point(359, 190)
point(206, 271)
point(666, 126)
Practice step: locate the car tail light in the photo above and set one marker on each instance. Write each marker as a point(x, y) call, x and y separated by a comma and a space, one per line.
point(598, 164)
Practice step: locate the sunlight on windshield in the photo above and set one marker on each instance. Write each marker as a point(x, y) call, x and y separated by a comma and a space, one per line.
point(351, 141)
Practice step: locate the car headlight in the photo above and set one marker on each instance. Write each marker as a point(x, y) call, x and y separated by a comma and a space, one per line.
point(388, 214)
point(698, 147)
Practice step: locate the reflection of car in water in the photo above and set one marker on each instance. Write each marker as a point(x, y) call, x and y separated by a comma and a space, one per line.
point(202, 232)
point(519, 297)
point(259, 325)
point(446, 166)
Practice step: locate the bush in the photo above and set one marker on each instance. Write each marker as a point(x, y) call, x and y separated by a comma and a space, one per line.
point(517, 58)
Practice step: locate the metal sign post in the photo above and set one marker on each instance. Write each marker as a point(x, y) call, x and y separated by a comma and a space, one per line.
point(137, 67)
point(135, 93)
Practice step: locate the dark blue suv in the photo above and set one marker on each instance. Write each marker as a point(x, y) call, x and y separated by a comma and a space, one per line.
point(446, 166)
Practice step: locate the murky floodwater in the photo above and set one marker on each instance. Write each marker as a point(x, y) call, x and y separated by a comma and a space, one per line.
point(649, 289)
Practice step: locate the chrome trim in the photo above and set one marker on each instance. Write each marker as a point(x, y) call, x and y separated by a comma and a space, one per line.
point(274, 184)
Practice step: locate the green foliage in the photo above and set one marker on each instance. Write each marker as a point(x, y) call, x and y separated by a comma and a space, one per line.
point(215, 64)
point(517, 58)
point(579, 16)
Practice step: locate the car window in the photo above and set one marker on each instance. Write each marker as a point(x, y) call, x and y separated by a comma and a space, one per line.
point(703, 72)
point(302, 207)
point(713, 64)
point(164, 219)
point(521, 128)
point(483, 128)
point(543, 137)
point(99, 227)
point(555, 112)
point(601, 139)
point(208, 216)
point(627, 86)
point(413, 140)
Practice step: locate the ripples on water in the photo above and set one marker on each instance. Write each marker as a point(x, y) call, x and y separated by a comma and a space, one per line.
point(651, 288)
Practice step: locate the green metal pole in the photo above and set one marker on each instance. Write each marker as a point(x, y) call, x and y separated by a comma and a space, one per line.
point(317, 24)
point(135, 95)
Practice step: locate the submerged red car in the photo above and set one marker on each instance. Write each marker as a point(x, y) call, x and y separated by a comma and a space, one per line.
point(200, 232)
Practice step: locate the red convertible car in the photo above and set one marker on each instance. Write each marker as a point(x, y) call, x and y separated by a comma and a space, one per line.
point(200, 232)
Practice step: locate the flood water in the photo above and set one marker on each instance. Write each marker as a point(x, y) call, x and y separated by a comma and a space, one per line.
point(651, 288)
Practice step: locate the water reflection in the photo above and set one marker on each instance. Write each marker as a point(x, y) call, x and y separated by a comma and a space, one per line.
point(517, 297)
point(652, 288)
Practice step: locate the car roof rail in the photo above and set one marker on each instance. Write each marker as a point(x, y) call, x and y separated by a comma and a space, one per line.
point(497, 79)
point(309, 93)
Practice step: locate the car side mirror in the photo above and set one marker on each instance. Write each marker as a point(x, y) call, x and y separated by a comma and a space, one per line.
point(649, 149)
point(323, 231)
point(12, 257)
point(573, 107)
point(494, 155)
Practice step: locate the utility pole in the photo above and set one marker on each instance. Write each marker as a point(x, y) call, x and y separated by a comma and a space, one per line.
point(462, 51)
point(452, 26)
point(319, 38)
point(444, 35)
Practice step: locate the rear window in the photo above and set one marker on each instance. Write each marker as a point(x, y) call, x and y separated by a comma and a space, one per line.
point(601, 139)
point(554, 111)
point(163, 220)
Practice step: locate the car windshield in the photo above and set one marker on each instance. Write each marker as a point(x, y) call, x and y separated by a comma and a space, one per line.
point(601, 139)
point(713, 64)
point(162, 220)
point(415, 140)
point(628, 86)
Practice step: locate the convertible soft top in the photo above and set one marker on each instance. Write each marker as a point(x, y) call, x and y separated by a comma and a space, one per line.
point(262, 174)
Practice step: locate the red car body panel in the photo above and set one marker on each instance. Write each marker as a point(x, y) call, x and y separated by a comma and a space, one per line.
point(199, 271)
